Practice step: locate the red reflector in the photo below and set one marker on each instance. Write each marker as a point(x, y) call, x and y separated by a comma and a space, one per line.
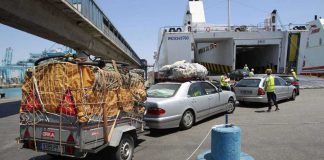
point(156, 111)
point(70, 149)
point(31, 102)
point(26, 134)
point(67, 104)
point(70, 139)
point(31, 144)
point(261, 91)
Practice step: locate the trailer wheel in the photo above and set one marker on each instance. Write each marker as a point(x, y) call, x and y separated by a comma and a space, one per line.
point(125, 150)
point(54, 156)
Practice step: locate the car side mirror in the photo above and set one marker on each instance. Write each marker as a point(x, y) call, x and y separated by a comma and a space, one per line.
point(288, 83)
point(220, 90)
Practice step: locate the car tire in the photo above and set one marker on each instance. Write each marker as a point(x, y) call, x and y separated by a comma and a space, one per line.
point(293, 95)
point(187, 120)
point(125, 150)
point(54, 156)
point(230, 106)
point(242, 102)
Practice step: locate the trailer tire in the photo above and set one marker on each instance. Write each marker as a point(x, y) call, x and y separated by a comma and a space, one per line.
point(54, 156)
point(125, 149)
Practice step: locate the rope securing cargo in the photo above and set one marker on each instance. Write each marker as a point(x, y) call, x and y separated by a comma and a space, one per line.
point(57, 86)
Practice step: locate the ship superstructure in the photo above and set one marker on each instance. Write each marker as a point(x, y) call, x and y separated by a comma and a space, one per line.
point(223, 48)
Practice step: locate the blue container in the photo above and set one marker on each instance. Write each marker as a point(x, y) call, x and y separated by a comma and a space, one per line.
point(226, 143)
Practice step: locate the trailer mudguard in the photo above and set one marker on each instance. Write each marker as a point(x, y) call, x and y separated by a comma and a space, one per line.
point(118, 133)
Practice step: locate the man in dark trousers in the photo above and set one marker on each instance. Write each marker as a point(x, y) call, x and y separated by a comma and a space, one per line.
point(270, 89)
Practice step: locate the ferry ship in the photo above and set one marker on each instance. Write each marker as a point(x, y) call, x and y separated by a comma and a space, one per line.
point(224, 48)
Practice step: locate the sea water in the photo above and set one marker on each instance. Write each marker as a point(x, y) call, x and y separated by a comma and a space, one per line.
point(11, 92)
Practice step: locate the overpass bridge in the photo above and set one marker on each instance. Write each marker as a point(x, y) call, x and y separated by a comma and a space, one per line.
point(79, 24)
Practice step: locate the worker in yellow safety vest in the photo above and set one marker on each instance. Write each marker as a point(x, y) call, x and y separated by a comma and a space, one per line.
point(224, 82)
point(251, 73)
point(246, 67)
point(293, 73)
point(270, 89)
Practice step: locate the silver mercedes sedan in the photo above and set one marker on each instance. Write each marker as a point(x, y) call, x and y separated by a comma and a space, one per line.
point(172, 104)
point(251, 89)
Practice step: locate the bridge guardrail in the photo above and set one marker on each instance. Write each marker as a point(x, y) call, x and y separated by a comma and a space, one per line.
point(90, 10)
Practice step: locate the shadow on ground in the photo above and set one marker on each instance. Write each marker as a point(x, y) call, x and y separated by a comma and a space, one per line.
point(165, 132)
point(107, 153)
point(264, 106)
point(9, 108)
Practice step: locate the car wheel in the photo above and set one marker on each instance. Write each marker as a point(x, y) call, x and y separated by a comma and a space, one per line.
point(125, 149)
point(187, 120)
point(293, 96)
point(54, 156)
point(230, 106)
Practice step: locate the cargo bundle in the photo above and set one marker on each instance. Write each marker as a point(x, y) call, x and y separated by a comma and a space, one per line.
point(182, 70)
point(83, 91)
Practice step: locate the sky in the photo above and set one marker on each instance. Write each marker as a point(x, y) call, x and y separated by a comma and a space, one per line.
point(139, 21)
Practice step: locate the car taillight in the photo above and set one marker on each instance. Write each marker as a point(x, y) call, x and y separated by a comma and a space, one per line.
point(156, 111)
point(70, 149)
point(295, 83)
point(261, 91)
point(67, 104)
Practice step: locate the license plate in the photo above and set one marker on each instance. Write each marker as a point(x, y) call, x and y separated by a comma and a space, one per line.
point(245, 92)
point(51, 147)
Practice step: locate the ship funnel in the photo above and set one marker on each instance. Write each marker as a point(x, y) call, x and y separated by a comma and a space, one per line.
point(273, 20)
point(195, 12)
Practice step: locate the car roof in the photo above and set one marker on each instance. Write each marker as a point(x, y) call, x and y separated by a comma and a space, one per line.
point(284, 75)
point(254, 78)
point(260, 76)
point(174, 82)
point(169, 83)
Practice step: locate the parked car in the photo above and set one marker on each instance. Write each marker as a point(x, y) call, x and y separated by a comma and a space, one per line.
point(175, 104)
point(251, 89)
point(238, 74)
point(290, 79)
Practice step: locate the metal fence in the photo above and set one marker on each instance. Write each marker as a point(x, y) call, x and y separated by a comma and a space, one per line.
point(90, 10)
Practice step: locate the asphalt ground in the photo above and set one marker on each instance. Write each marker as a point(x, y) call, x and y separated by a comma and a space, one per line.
point(296, 132)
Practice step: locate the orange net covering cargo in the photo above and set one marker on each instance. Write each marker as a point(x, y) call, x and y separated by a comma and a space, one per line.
point(83, 91)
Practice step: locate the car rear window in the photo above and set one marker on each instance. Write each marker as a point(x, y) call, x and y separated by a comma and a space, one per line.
point(163, 90)
point(289, 79)
point(248, 83)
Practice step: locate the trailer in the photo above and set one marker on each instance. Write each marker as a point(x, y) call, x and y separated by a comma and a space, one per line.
point(60, 136)
point(71, 108)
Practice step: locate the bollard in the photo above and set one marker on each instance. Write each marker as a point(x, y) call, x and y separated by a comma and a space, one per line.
point(225, 145)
